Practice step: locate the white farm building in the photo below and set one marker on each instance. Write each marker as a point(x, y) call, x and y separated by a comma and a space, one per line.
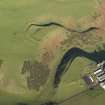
point(100, 74)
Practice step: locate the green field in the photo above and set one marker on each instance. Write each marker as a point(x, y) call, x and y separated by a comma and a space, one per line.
point(17, 46)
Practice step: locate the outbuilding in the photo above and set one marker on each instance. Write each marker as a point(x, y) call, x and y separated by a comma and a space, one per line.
point(89, 81)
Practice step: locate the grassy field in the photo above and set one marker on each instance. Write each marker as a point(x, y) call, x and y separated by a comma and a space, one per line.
point(16, 46)
point(95, 97)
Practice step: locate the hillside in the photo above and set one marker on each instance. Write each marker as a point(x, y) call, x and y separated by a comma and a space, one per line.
point(34, 37)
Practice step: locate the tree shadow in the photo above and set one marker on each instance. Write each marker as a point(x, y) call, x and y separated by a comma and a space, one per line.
point(70, 55)
point(21, 103)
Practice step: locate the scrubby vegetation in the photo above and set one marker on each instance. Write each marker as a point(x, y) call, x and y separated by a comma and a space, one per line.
point(36, 74)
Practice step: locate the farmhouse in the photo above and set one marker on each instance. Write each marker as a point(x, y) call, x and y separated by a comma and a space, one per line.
point(100, 74)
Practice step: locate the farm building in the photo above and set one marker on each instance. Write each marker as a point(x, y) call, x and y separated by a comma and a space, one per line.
point(89, 81)
point(100, 74)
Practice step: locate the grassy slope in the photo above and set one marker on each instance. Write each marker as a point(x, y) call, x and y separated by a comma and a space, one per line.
point(95, 97)
point(16, 46)
point(72, 82)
